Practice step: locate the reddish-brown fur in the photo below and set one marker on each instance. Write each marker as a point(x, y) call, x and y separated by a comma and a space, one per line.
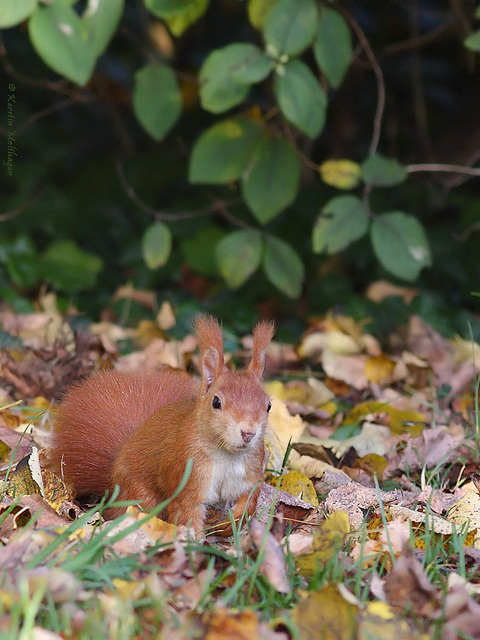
point(139, 430)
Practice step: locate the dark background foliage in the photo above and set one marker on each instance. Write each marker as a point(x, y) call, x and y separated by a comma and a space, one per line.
point(87, 173)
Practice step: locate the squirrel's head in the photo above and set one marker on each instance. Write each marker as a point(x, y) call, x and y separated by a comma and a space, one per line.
point(234, 406)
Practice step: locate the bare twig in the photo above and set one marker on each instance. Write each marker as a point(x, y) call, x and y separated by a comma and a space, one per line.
point(418, 94)
point(46, 112)
point(217, 206)
point(8, 215)
point(461, 237)
point(447, 168)
point(420, 41)
point(377, 121)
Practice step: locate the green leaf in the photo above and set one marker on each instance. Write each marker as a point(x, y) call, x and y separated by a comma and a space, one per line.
point(164, 8)
point(300, 97)
point(227, 73)
point(239, 255)
point(60, 39)
point(157, 101)
point(472, 41)
point(101, 21)
point(400, 243)
point(258, 11)
point(70, 44)
point(379, 171)
point(290, 27)
point(253, 65)
point(197, 250)
point(156, 245)
point(69, 268)
point(272, 180)
point(333, 46)
point(180, 22)
point(222, 152)
point(343, 220)
point(21, 261)
point(283, 266)
point(13, 12)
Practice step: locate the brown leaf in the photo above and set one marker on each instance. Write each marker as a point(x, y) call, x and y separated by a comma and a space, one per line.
point(433, 446)
point(272, 564)
point(293, 509)
point(381, 289)
point(462, 614)
point(188, 595)
point(407, 586)
point(20, 445)
point(224, 624)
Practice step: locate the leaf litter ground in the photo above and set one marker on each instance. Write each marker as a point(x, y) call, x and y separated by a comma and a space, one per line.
point(367, 524)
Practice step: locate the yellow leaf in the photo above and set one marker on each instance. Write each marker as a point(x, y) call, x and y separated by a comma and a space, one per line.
point(147, 332)
point(378, 369)
point(329, 407)
point(465, 350)
point(399, 421)
point(180, 22)
point(307, 392)
point(40, 402)
point(327, 540)
point(381, 610)
point(378, 621)
point(127, 589)
point(342, 174)
point(55, 491)
point(372, 463)
point(4, 451)
point(325, 614)
point(284, 426)
point(297, 484)
point(257, 11)
point(26, 479)
point(466, 513)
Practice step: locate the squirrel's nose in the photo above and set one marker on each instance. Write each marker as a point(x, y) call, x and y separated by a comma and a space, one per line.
point(247, 435)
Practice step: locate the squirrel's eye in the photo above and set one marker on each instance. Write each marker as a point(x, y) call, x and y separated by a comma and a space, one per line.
point(269, 406)
point(216, 402)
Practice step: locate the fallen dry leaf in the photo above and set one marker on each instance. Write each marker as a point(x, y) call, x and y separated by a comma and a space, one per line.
point(378, 621)
point(19, 444)
point(381, 289)
point(373, 438)
point(189, 594)
point(354, 499)
point(297, 484)
point(272, 562)
point(325, 614)
point(349, 369)
point(434, 446)
point(407, 586)
point(293, 509)
point(224, 624)
point(391, 539)
point(450, 364)
point(328, 539)
point(283, 428)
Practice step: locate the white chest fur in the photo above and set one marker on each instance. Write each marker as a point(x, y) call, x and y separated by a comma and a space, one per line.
point(227, 483)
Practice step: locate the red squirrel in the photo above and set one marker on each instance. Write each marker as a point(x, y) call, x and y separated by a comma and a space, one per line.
point(137, 431)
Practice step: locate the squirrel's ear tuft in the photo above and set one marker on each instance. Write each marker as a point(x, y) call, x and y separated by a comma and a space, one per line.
point(262, 336)
point(210, 342)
